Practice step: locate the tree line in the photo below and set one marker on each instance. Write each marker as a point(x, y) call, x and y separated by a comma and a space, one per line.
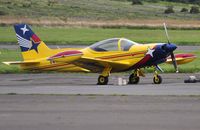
point(180, 1)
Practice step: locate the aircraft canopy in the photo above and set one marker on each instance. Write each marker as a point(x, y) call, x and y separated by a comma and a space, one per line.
point(114, 44)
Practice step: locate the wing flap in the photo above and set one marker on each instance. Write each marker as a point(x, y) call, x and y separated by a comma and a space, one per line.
point(97, 65)
point(105, 62)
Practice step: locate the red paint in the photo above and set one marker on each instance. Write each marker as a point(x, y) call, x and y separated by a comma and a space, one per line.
point(183, 55)
point(123, 55)
point(35, 38)
point(66, 53)
point(143, 61)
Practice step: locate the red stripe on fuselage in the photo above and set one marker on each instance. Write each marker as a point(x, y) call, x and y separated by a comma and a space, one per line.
point(66, 53)
point(123, 55)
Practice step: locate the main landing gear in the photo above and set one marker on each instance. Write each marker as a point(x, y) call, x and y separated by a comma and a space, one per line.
point(134, 78)
point(103, 78)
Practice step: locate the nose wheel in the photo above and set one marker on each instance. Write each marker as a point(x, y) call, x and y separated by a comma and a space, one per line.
point(157, 79)
point(102, 80)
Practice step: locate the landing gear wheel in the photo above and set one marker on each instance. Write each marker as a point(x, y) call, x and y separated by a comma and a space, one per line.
point(134, 79)
point(157, 79)
point(102, 80)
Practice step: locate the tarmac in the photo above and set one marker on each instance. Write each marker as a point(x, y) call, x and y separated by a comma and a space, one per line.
point(65, 112)
point(85, 84)
point(72, 101)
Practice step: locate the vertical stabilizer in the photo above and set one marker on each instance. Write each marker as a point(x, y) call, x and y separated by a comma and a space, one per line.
point(30, 44)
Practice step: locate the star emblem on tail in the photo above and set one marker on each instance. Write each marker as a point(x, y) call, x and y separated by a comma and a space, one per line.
point(24, 29)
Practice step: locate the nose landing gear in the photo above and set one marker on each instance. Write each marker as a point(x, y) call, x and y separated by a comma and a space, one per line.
point(157, 79)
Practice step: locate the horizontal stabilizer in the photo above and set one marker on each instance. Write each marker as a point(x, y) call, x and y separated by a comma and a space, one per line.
point(21, 62)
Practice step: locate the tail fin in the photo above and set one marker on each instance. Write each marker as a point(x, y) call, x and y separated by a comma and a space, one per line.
point(31, 45)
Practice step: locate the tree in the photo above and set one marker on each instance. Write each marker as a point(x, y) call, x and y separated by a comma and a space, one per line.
point(137, 2)
point(2, 12)
point(52, 2)
point(169, 10)
point(194, 10)
point(184, 10)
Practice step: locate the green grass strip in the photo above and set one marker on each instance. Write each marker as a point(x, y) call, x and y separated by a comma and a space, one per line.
point(87, 36)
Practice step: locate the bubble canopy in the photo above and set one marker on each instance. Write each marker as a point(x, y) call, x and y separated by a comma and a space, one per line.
point(113, 44)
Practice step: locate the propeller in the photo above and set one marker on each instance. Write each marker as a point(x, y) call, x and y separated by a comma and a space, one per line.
point(172, 54)
point(166, 32)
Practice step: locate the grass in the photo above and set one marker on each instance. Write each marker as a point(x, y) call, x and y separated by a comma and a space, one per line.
point(87, 36)
point(13, 55)
point(94, 13)
point(100, 13)
point(9, 55)
point(97, 9)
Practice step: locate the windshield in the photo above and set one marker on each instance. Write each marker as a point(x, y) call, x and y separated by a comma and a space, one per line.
point(114, 44)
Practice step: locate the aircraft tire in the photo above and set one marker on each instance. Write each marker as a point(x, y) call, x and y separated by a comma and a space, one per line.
point(133, 79)
point(102, 80)
point(157, 80)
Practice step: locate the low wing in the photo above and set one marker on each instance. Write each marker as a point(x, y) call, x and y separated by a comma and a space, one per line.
point(21, 62)
point(97, 65)
point(182, 58)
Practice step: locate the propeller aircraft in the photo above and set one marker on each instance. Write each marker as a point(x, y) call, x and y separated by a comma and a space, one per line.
point(104, 57)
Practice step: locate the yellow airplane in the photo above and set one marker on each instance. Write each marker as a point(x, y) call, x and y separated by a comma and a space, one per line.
point(105, 57)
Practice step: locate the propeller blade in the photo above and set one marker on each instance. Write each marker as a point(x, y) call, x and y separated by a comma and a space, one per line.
point(166, 32)
point(174, 62)
point(172, 54)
